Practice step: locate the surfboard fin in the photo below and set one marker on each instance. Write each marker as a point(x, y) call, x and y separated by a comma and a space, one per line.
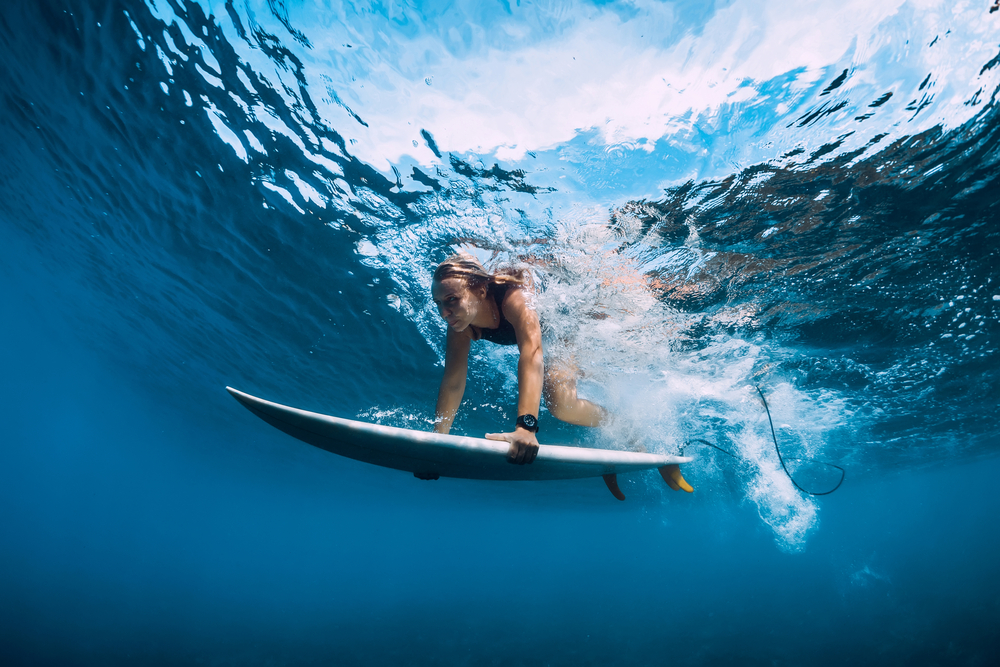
point(426, 475)
point(675, 480)
point(612, 481)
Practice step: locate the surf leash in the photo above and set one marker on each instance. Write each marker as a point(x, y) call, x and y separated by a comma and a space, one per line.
point(781, 459)
point(777, 449)
point(699, 441)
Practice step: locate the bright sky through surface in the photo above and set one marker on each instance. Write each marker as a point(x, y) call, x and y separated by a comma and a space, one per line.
point(634, 73)
point(728, 84)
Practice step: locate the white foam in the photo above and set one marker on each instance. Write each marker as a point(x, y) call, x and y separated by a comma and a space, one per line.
point(599, 309)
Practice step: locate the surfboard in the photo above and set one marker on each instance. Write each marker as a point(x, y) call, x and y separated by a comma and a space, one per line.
point(432, 455)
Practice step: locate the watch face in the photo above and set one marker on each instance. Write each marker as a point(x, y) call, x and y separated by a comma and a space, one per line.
point(528, 421)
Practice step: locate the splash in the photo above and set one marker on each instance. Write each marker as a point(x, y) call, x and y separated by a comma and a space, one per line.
point(636, 355)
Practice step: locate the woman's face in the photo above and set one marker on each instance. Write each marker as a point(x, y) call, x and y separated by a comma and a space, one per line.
point(457, 304)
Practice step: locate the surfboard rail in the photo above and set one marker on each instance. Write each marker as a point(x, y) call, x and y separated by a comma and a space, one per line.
point(431, 455)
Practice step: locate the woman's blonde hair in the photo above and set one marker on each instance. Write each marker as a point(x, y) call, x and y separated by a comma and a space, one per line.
point(468, 268)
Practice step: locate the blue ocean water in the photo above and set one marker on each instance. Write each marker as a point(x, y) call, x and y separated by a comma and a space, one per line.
point(711, 196)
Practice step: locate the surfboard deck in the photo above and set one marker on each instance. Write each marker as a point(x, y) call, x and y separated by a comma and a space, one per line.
point(431, 455)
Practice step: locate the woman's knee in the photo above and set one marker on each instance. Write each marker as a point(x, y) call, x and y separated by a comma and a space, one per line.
point(559, 411)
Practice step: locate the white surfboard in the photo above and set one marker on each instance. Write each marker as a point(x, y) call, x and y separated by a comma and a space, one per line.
point(432, 455)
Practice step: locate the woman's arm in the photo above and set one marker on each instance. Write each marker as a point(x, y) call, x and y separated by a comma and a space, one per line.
point(530, 369)
point(456, 367)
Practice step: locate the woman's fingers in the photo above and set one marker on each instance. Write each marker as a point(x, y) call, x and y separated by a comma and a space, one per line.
point(514, 450)
point(516, 453)
point(521, 452)
point(526, 452)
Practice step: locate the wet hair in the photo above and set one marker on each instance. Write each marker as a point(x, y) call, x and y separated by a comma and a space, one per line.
point(469, 269)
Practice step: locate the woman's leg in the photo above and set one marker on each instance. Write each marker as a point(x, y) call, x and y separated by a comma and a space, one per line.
point(559, 389)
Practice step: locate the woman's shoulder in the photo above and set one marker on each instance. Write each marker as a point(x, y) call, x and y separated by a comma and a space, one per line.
point(505, 292)
point(517, 302)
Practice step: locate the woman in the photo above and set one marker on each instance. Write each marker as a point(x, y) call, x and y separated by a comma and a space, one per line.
point(482, 306)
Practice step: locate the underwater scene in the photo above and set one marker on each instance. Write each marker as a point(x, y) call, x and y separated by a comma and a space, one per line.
point(766, 233)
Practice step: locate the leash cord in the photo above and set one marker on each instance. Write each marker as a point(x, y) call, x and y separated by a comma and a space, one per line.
point(781, 459)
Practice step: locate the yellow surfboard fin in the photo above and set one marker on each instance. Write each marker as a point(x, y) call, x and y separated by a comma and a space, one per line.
point(675, 480)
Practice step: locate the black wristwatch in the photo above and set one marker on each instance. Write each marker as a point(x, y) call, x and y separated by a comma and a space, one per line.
point(528, 423)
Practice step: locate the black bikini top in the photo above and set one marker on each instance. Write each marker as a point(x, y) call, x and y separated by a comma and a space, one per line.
point(504, 333)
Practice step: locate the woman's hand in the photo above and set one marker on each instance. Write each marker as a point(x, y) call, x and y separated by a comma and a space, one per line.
point(523, 445)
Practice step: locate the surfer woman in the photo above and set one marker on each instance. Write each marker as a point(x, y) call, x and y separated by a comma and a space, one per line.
point(485, 306)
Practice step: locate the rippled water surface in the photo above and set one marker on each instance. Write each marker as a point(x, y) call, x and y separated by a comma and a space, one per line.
point(710, 196)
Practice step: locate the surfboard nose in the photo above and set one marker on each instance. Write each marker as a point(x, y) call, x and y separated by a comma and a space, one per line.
point(243, 398)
